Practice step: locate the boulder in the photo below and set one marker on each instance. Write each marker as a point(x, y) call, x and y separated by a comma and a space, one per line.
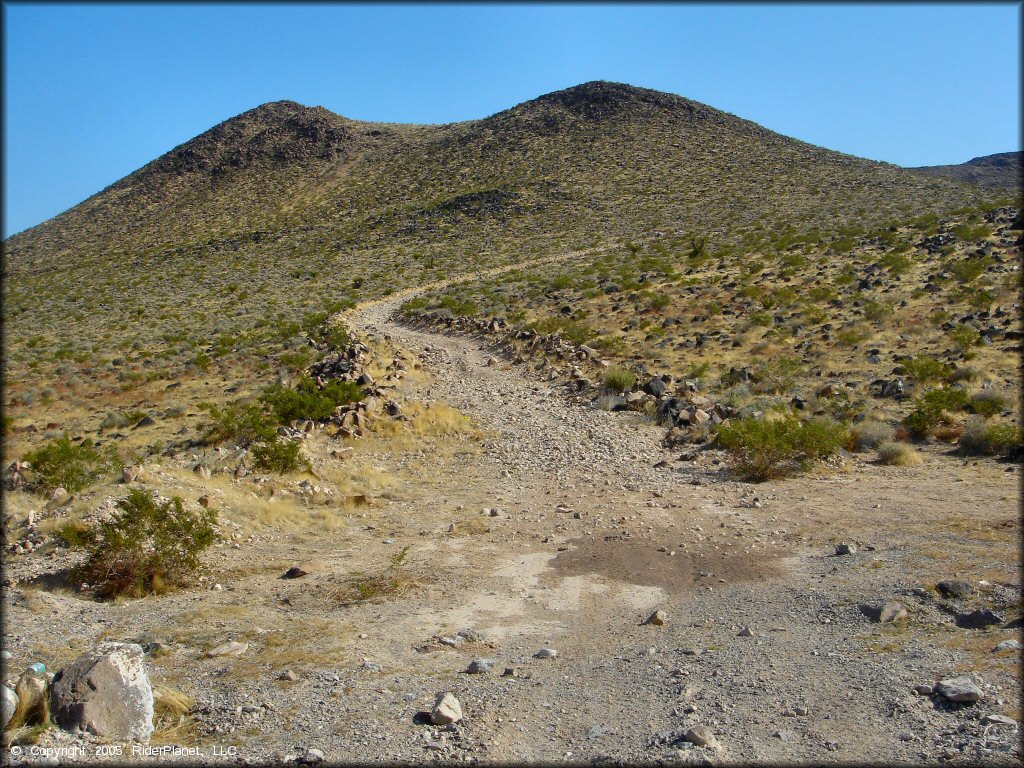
point(105, 692)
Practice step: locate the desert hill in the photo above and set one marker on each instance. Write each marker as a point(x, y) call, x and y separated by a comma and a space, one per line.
point(1000, 171)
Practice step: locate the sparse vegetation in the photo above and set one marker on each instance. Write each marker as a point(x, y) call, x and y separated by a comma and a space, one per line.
point(309, 401)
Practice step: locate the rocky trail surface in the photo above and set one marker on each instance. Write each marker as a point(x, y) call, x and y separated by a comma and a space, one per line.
point(535, 558)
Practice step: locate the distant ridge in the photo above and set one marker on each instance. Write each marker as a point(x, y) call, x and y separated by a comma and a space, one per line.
point(1000, 171)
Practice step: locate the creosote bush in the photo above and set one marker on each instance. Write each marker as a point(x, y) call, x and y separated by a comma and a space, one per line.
point(148, 546)
point(279, 456)
point(240, 422)
point(308, 401)
point(763, 449)
point(64, 464)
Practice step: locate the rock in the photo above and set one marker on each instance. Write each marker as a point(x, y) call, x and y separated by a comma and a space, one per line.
point(1008, 645)
point(998, 720)
point(288, 675)
point(479, 667)
point(10, 704)
point(846, 549)
point(105, 692)
point(658, 618)
point(745, 632)
point(702, 736)
point(892, 612)
point(960, 689)
point(446, 710)
point(954, 588)
point(131, 473)
point(304, 569)
point(230, 648)
point(787, 736)
point(203, 471)
point(979, 619)
point(205, 502)
point(546, 653)
point(492, 361)
point(310, 757)
point(924, 690)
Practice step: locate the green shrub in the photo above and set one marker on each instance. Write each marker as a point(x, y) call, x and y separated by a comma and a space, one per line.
point(986, 403)
point(147, 546)
point(619, 379)
point(280, 456)
point(763, 449)
point(984, 438)
point(75, 533)
point(241, 422)
point(965, 337)
point(63, 464)
point(924, 369)
point(929, 410)
point(308, 401)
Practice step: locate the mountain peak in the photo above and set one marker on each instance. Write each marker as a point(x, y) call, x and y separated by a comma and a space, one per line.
point(272, 133)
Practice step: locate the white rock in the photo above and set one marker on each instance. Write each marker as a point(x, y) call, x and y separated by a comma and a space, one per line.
point(446, 710)
point(230, 648)
point(10, 703)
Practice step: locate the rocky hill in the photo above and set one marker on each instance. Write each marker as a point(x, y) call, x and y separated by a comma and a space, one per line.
point(999, 171)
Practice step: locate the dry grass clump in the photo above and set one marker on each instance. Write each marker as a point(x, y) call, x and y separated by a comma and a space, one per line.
point(870, 434)
point(171, 717)
point(898, 455)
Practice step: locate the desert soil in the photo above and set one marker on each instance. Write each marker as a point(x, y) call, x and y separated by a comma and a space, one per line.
point(564, 527)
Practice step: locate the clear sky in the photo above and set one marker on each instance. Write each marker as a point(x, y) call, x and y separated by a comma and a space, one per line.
point(93, 92)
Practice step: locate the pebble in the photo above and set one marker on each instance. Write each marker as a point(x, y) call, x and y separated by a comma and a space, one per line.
point(479, 667)
point(745, 632)
point(846, 549)
point(546, 653)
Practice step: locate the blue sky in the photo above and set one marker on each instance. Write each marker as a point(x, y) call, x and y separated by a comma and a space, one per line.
point(93, 92)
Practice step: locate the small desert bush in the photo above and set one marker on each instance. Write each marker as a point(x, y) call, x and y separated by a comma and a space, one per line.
point(389, 582)
point(148, 546)
point(75, 533)
point(930, 410)
point(242, 423)
point(986, 403)
point(870, 434)
point(64, 464)
point(619, 379)
point(763, 449)
point(309, 401)
point(965, 373)
point(278, 455)
point(981, 437)
point(898, 454)
point(924, 369)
